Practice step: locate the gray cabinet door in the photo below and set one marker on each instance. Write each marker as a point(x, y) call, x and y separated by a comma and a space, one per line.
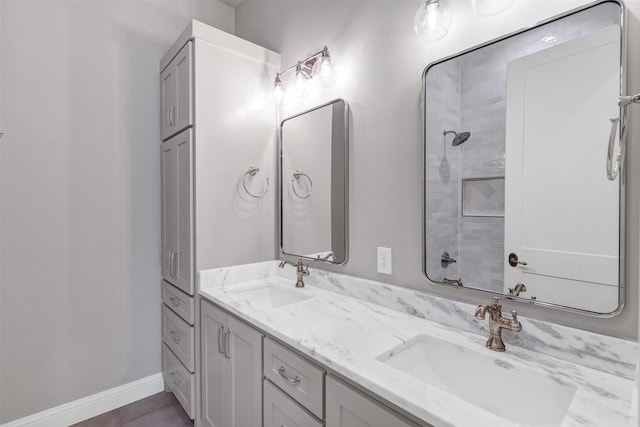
point(176, 97)
point(169, 205)
point(349, 408)
point(168, 94)
point(214, 367)
point(183, 259)
point(244, 375)
point(177, 202)
point(231, 371)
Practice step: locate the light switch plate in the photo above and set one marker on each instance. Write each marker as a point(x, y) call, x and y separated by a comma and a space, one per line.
point(384, 260)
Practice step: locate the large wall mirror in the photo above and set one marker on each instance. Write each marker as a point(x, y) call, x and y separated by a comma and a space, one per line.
point(517, 198)
point(313, 183)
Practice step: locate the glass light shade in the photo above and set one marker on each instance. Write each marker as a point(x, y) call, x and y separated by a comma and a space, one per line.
point(491, 7)
point(277, 88)
point(323, 72)
point(432, 20)
point(277, 92)
point(300, 87)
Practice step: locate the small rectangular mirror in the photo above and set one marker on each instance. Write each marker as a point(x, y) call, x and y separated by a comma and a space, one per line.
point(313, 183)
point(516, 189)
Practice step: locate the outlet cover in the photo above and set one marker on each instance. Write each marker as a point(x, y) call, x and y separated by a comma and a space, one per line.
point(384, 260)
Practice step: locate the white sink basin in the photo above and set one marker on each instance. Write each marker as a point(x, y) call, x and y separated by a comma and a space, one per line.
point(270, 296)
point(484, 379)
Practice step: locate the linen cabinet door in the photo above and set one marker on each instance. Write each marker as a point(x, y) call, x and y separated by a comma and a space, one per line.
point(183, 263)
point(177, 202)
point(169, 208)
point(214, 366)
point(244, 354)
point(183, 117)
point(348, 408)
point(176, 93)
point(168, 94)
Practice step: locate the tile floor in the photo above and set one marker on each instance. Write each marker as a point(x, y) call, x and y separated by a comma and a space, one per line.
point(159, 410)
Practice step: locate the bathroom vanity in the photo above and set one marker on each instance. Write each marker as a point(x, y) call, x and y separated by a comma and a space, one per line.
point(251, 346)
point(378, 355)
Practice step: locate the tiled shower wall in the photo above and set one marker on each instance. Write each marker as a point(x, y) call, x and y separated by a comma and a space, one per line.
point(481, 104)
point(443, 160)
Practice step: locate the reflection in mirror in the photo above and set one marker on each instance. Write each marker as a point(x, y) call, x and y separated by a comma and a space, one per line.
point(516, 192)
point(313, 180)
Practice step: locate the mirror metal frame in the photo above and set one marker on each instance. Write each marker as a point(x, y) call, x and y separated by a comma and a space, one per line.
point(622, 190)
point(346, 184)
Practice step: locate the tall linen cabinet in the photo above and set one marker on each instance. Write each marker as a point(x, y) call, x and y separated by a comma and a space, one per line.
point(217, 120)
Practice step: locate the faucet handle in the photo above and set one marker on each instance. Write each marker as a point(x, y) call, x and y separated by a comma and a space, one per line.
point(515, 323)
point(285, 262)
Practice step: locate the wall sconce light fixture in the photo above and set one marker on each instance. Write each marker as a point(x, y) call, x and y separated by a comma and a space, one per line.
point(316, 67)
point(432, 20)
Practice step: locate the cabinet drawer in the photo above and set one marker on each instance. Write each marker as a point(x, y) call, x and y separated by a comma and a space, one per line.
point(181, 303)
point(348, 408)
point(179, 380)
point(295, 376)
point(179, 336)
point(280, 410)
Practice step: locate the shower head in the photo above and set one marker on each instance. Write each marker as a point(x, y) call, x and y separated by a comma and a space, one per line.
point(459, 138)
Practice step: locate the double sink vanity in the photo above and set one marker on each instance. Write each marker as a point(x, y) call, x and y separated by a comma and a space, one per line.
point(379, 357)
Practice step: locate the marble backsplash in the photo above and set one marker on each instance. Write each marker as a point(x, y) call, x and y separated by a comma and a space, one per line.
point(604, 353)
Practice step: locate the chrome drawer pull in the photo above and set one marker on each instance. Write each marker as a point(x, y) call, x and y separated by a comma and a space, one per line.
point(227, 347)
point(173, 376)
point(175, 264)
point(220, 332)
point(173, 116)
point(175, 335)
point(175, 301)
point(294, 381)
point(170, 264)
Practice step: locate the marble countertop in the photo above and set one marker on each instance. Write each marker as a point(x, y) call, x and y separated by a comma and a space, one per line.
point(347, 335)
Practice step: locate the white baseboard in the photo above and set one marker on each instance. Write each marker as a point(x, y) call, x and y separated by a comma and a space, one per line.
point(90, 406)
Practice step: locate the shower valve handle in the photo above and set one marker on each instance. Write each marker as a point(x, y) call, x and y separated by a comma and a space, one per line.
point(513, 260)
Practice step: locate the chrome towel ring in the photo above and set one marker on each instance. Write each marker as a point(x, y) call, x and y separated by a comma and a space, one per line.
point(252, 171)
point(297, 174)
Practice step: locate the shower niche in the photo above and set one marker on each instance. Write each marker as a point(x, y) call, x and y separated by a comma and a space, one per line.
point(482, 197)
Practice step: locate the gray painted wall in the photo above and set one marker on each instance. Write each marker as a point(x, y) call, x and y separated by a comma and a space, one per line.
point(381, 63)
point(80, 194)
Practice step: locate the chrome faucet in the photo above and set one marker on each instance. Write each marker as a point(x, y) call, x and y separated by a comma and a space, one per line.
point(497, 323)
point(302, 269)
